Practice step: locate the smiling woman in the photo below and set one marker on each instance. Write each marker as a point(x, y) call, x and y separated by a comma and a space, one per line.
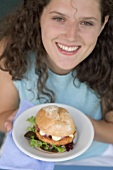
point(69, 39)
point(57, 51)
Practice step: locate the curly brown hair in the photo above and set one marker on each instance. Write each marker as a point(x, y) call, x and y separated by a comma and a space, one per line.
point(22, 29)
point(98, 67)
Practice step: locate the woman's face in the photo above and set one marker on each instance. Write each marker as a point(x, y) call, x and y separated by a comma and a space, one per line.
point(70, 29)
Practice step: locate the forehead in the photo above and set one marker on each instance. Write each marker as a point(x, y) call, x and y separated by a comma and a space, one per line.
point(83, 7)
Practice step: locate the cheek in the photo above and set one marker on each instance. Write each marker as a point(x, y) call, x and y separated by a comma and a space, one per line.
point(51, 30)
point(45, 36)
point(48, 28)
point(91, 37)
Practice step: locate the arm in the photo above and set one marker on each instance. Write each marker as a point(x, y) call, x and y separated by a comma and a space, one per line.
point(9, 98)
point(103, 129)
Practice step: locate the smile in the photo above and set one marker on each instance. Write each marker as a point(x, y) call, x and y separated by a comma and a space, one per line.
point(67, 48)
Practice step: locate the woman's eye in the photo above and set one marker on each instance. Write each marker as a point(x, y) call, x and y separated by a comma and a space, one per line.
point(87, 23)
point(59, 19)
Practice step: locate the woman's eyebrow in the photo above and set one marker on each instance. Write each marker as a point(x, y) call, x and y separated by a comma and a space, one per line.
point(89, 18)
point(56, 12)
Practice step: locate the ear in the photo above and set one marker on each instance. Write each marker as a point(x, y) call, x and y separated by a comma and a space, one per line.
point(105, 21)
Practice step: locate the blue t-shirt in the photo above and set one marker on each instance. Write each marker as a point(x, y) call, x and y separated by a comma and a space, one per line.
point(76, 94)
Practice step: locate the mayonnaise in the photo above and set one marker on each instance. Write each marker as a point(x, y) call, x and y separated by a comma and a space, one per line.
point(55, 138)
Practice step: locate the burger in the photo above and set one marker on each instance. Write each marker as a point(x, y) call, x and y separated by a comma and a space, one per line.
point(53, 129)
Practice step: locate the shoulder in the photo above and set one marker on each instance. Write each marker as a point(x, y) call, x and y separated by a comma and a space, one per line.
point(7, 88)
point(3, 44)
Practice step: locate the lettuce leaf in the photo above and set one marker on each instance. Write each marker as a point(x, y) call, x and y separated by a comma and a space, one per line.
point(43, 145)
point(32, 121)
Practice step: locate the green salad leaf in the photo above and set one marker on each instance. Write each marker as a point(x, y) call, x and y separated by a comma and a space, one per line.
point(32, 121)
point(45, 146)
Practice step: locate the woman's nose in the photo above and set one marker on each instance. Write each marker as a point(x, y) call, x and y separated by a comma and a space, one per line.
point(72, 32)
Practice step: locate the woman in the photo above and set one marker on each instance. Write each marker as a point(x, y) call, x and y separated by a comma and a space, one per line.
point(60, 51)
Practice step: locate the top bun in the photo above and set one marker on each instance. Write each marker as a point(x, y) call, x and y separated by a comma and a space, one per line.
point(55, 121)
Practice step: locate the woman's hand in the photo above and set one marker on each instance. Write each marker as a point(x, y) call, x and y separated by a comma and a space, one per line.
point(109, 117)
point(9, 121)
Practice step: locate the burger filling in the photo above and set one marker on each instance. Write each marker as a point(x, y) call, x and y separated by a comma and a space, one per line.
point(38, 139)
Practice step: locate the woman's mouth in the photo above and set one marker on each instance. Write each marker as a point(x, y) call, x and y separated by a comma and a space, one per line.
point(69, 50)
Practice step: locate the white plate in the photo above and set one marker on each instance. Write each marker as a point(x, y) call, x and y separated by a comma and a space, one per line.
point(85, 135)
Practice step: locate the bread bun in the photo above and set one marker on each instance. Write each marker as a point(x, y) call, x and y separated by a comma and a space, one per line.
point(55, 121)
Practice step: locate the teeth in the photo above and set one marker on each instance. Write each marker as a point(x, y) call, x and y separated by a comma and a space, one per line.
point(69, 49)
